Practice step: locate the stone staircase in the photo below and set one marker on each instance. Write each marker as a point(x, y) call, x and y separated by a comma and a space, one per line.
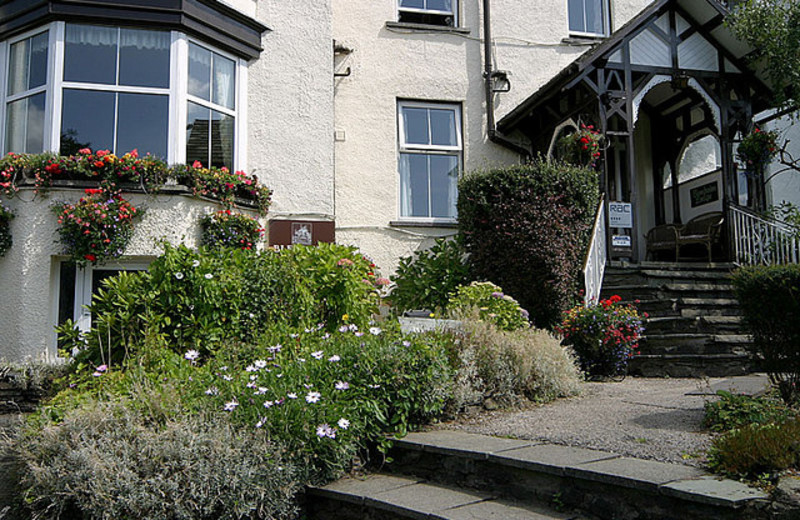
point(694, 326)
point(450, 475)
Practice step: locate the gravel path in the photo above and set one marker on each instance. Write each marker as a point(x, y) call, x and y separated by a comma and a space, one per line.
point(655, 419)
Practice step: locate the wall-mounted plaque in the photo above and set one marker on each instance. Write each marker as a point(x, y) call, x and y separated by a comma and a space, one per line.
point(704, 194)
point(286, 233)
point(620, 215)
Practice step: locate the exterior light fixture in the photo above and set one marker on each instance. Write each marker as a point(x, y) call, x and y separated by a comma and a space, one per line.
point(500, 81)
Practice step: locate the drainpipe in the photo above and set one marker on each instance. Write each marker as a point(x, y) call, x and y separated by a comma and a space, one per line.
point(488, 69)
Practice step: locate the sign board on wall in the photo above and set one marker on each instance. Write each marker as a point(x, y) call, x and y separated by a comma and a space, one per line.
point(621, 242)
point(620, 215)
point(285, 233)
point(704, 194)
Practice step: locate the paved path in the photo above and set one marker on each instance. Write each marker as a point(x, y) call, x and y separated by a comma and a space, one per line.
point(657, 419)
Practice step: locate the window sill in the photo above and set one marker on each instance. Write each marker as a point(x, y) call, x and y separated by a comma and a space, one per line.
point(450, 224)
point(423, 27)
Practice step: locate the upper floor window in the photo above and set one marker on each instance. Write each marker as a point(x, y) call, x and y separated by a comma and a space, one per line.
point(589, 17)
point(430, 159)
point(73, 86)
point(433, 12)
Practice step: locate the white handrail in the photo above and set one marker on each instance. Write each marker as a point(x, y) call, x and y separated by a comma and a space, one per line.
point(758, 240)
point(594, 267)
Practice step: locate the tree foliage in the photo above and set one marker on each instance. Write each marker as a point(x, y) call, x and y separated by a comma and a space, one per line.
point(772, 28)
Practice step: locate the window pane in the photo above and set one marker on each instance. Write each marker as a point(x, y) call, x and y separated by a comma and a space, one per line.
point(224, 81)
point(443, 127)
point(576, 16)
point(144, 58)
point(416, 125)
point(142, 124)
point(222, 126)
point(83, 128)
point(28, 64)
point(440, 5)
point(25, 125)
point(197, 134)
point(199, 72)
point(90, 54)
point(414, 185)
point(413, 4)
point(594, 16)
point(444, 178)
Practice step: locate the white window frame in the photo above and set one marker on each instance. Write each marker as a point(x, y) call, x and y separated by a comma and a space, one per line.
point(606, 22)
point(453, 12)
point(177, 93)
point(428, 149)
point(83, 288)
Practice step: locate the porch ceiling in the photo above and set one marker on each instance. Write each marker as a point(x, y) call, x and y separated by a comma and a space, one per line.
point(705, 19)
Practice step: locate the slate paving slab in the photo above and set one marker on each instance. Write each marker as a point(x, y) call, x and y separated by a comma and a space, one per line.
point(421, 500)
point(713, 491)
point(356, 490)
point(495, 510)
point(634, 473)
point(550, 458)
point(449, 441)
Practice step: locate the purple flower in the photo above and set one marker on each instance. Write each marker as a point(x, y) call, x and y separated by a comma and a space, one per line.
point(313, 397)
point(342, 385)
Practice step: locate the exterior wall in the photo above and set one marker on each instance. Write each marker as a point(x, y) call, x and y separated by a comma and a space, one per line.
point(391, 63)
point(785, 187)
point(290, 101)
point(28, 272)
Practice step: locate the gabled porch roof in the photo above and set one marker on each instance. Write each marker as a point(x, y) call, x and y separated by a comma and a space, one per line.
point(699, 19)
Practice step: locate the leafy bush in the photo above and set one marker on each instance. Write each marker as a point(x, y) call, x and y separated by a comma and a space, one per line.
point(200, 300)
point(492, 305)
point(96, 228)
point(756, 449)
point(426, 279)
point(107, 461)
point(227, 229)
point(733, 411)
point(507, 365)
point(604, 335)
point(526, 228)
point(343, 281)
point(769, 297)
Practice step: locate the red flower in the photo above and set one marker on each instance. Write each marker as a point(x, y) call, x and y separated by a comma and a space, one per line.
point(90, 257)
point(85, 151)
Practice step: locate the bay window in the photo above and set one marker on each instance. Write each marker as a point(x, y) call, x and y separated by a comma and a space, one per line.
point(430, 159)
point(72, 86)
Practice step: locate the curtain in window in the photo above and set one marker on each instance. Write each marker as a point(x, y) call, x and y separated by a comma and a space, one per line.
point(144, 40)
point(224, 80)
point(405, 185)
point(91, 35)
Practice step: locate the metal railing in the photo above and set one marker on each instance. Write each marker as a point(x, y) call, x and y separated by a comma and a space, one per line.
point(757, 240)
point(594, 266)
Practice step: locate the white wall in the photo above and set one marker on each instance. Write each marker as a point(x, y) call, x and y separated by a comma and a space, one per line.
point(785, 186)
point(290, 93)
point(388, 64)
point(28, 272)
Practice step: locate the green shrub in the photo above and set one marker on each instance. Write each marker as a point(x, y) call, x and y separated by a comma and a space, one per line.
point(342, 280)
point(426, 279)
point(526, 229)
point(490, 302)
point(734, 411)
point(605, 335)
point(757, 449)
point(508, 365)
point(107, 461)
point(769, 297)
point(200, 300)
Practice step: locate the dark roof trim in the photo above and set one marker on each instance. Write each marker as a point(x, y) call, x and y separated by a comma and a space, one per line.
point(592, 56)
point(208, 20)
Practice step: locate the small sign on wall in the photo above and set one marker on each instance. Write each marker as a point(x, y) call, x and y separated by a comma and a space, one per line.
point(621, 242)
point(620, 214)
point(704, 194)
point(286, 233)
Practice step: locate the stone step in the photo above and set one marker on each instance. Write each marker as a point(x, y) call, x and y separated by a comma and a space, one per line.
point(657, 278)
point(397, 497)
point(690, 324)
point(691, 365)
point(601, 483)
point(694, 343)
point(631, 293)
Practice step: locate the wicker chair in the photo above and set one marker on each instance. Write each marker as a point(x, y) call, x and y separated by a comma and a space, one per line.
point(705, 229)
point(662, 238)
